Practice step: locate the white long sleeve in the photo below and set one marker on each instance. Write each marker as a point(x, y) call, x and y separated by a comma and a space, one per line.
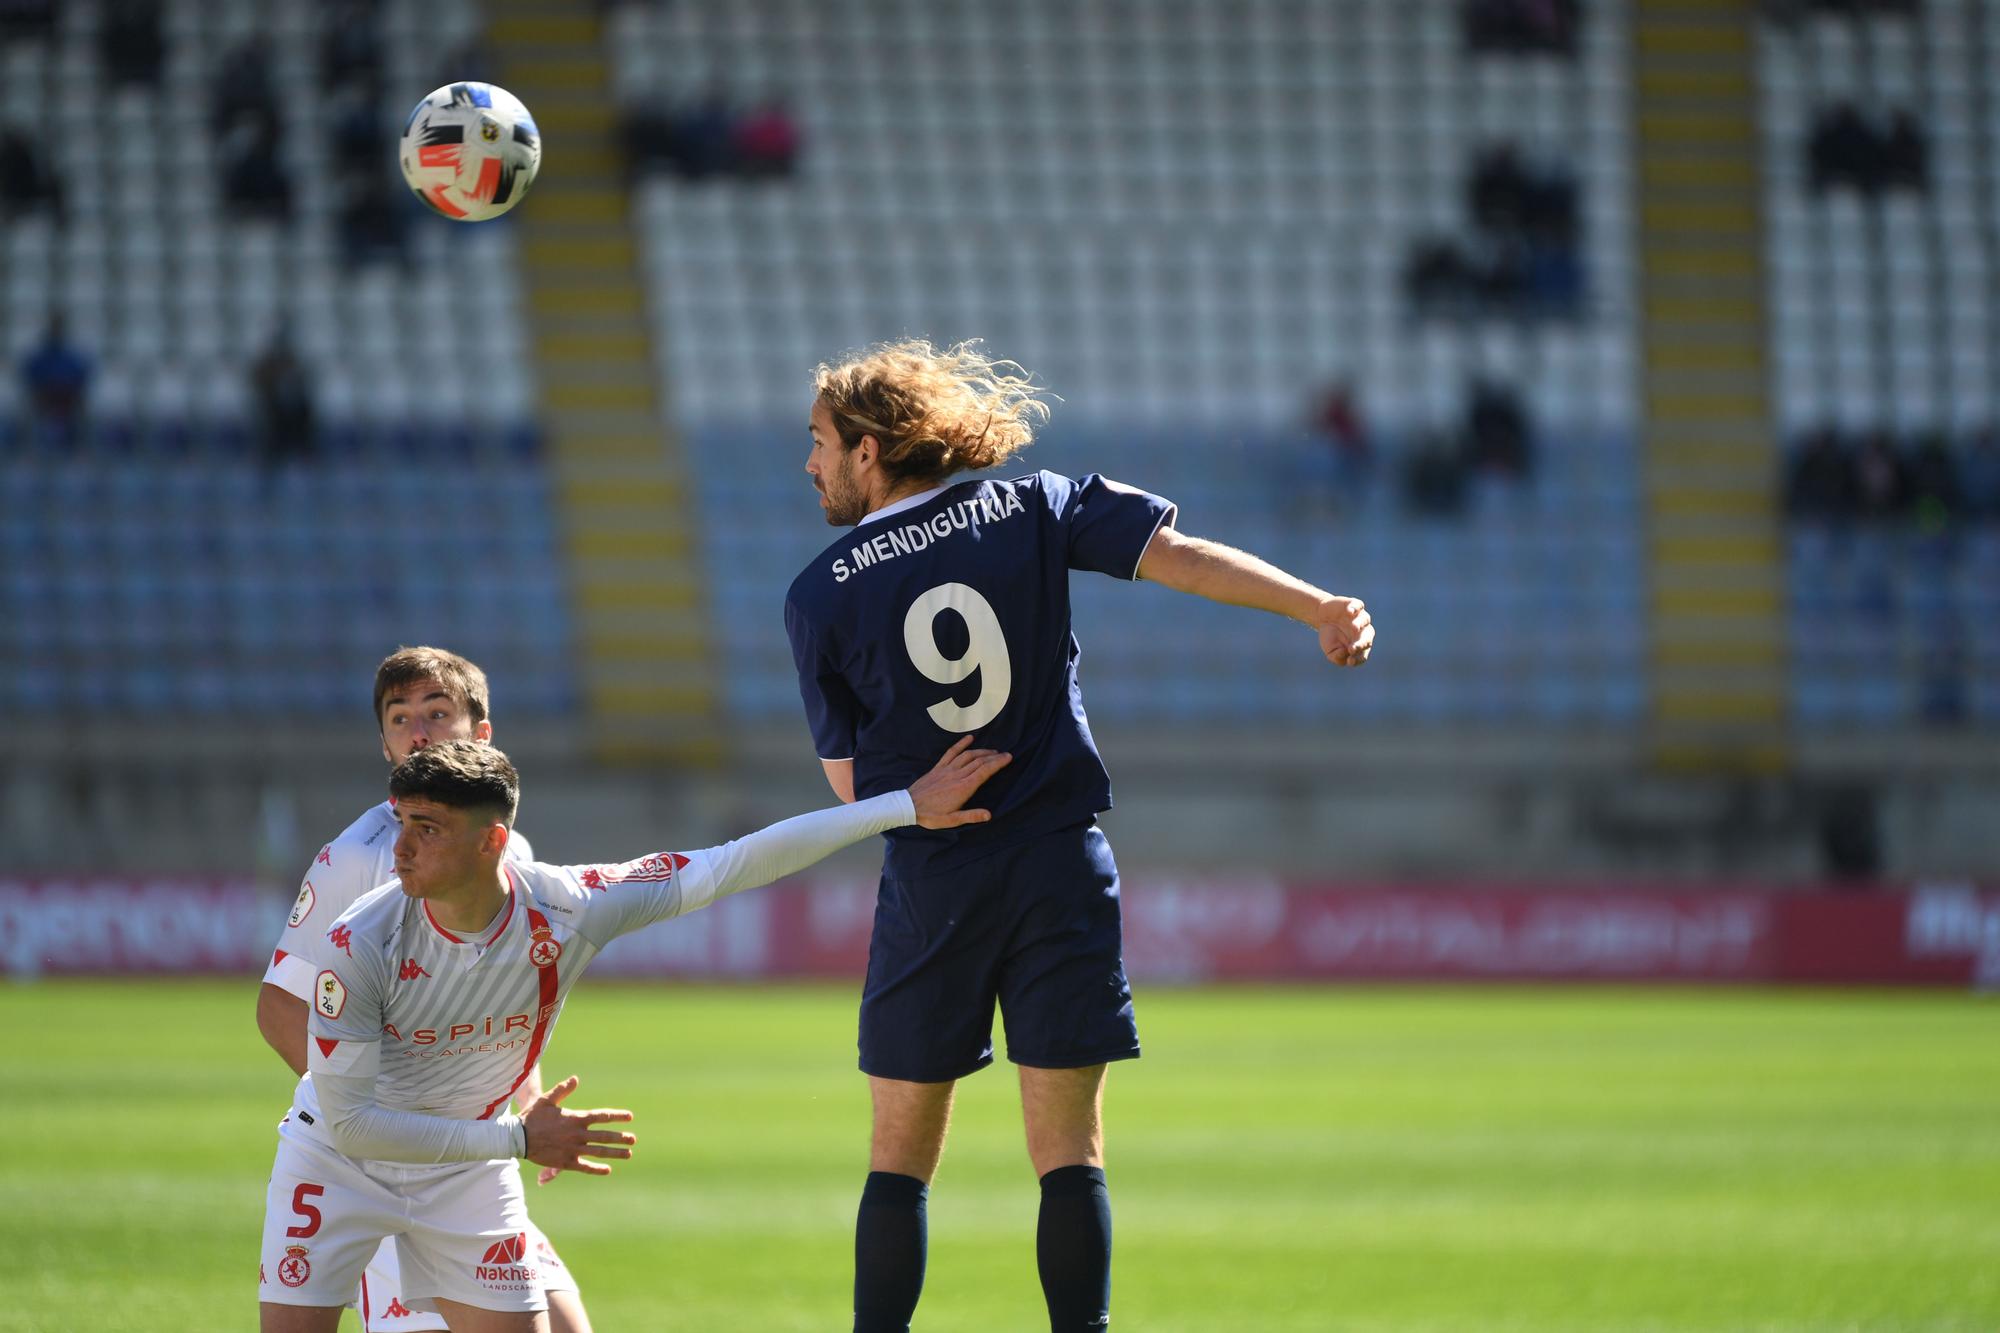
point(361, 1127)
point(789, 846)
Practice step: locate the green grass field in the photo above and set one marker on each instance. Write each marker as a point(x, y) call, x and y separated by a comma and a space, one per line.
point(1370, 1160)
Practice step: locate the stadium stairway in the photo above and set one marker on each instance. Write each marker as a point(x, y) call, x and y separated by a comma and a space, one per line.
point(1717, 648)
point(647, 673)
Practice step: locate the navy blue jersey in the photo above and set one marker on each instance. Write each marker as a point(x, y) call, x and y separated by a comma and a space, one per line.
point(948, 614)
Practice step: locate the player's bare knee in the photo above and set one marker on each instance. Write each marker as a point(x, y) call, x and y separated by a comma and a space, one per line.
point(566, 1313)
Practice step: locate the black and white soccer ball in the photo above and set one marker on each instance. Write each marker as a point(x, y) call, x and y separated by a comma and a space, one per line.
point(470, 151)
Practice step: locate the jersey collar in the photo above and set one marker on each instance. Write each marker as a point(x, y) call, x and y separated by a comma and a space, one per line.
point(505, 917)
point(907, 502)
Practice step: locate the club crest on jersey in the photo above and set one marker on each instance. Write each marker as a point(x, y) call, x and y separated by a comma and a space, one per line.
point(546, 949)
point(302, 907)
point(293, 1269)
point(646, 870)
point(329, 994)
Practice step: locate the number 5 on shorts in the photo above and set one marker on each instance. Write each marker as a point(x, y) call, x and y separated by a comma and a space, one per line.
point(986, 653)
point(306, 1210)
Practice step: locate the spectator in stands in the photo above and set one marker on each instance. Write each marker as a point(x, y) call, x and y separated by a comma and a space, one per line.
point(130, 43)
point(1496, 431)
point(646, 133)
point(1439, 281)
point(27, 18)
point(371, 223)
point(243, 88)
point(767, 141)
point(1979, 477)
point(56, 376)
point(253, 179)
point(1934, 486)
point(1880, 485)
point(284, 404)
point(1520, 27)
point(1349, 455)
point(702, 137)
point(359, 135)
point(1821, 485)
point(1434, 476)
point(1905, 154)
point(351, 44)
point(1843, 150)
point(26, 183)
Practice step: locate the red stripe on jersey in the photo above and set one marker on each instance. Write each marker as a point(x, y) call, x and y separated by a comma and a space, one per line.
point(326, 1044)
point(364, 1300)
point(489, 180)
point(550, 985)
point(508, 915)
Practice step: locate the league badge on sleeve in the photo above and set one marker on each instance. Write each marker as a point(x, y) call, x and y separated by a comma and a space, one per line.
point(329, 994)
point(302, 908)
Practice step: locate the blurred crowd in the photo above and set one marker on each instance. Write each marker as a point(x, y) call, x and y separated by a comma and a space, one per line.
point(1519, 258)
point(1873, 153)
point(1870, 478)
point(709, 137)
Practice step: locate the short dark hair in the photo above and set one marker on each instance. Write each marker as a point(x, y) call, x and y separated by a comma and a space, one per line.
point(462, 679)
point(465, 775)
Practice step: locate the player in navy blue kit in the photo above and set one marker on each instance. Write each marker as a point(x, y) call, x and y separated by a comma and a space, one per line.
point(946, 613)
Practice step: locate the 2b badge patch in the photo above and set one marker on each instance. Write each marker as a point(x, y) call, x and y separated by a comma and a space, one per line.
point(303, 907)
point(329, 994)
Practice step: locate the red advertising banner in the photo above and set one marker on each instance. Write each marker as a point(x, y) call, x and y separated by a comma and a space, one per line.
point(1247, 929)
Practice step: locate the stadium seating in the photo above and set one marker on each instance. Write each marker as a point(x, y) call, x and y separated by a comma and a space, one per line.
point(1881, 318)
point(155, 568)
point(1188, 219)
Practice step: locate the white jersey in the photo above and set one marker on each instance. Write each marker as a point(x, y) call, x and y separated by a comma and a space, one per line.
point(363, 857)
point(409, 1017)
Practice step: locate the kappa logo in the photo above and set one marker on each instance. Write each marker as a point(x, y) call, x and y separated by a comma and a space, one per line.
point(395, 1309)
point(293, 1270)
point(342, 938)
point(329, 994)
point(507, 1251)
point(303, 906)
point(646, 870)
point(412, 969)
point(325, 856)
point(546, 949)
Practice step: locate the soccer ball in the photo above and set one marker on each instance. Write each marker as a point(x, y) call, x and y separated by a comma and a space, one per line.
point(470, 151)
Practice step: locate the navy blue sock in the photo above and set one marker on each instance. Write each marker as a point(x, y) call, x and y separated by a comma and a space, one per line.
point(891, 1239)
point(1073, 1248)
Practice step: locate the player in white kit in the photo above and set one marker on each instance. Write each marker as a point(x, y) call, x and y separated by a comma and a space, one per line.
point(421, 695)
point(432, 998)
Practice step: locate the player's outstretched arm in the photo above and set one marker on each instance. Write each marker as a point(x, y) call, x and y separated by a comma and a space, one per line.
point(561, 1139)
point(935, 800)
point(1224, 574)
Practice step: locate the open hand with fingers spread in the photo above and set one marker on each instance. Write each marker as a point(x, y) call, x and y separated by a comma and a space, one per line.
point(561, 1138)
point(1346, 634)
point(939, 794)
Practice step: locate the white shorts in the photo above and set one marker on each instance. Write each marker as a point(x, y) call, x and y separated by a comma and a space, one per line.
point(460, 1232)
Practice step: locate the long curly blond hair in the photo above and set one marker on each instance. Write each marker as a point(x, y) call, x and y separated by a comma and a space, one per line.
point(933, 412)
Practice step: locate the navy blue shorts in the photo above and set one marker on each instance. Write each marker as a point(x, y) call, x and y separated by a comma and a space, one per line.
point(1033, 926)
